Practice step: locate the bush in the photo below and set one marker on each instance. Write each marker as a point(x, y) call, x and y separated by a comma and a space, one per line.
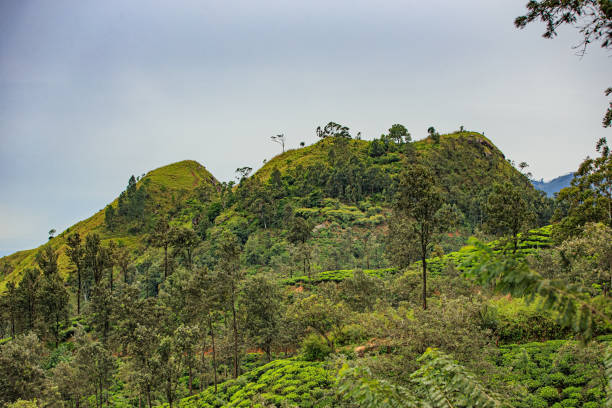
point(570, 403)
point(314, 348)
point(533, 401)
point(567, 392)
point(548, 393)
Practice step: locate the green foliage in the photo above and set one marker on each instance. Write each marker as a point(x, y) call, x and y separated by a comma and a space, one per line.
point(440, 380)
point(554, 371)
point(314, 348)
point(299, 383)
point(339, 276)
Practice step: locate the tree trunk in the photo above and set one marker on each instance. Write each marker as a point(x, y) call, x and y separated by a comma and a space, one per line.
point(110, 276)
point(329, 342)
point(423, 258)
point(79, 292)
point(214, 352)
point(235, 328)
point(190, 381)
point(165, 261)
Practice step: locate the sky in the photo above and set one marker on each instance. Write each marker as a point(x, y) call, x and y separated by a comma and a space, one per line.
point(92, 92)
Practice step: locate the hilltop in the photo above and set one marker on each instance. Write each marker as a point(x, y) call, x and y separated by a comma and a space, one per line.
point(167, 188)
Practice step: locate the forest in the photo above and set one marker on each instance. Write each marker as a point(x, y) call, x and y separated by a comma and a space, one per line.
point(346, 273)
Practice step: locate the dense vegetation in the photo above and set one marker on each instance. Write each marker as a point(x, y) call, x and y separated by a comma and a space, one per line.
point(339, 274)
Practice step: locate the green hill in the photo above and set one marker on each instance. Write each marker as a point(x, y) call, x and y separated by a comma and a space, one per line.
point(344, 183)
point(168, 189)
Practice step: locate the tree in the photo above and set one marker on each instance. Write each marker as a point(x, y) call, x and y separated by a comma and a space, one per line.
point(203, 293)
point(21, 375)
point(187, 240)
point(162, 238)
point(110, 217)
point(170, 367)
point(280, 139)
point(589, 257)
point(27, 296)
point(96, 257)
point(185, 341)
point(243, 173)
point(399, 134)
point(143, 366)
point(300, 231)
point(52, 232)
point(508, 213)
point(319, 313)
point(76, 254)
point(589, 198)
point(592, 17)
point(229, 268)
point(46, 259)
point(418, 200)
point(53, 299)
point(10, 306)
point(261, 299)
point(435, 136)
point(123, 260)
point(97, 365)
point(333, 129)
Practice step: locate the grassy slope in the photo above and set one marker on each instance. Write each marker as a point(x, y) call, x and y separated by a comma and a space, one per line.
point(172, 182)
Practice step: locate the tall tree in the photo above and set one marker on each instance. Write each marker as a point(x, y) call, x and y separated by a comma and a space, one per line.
point(589, 198)
point(229, 267)
point(418, 200)
point(123, 260)
point(162, 238)
point(21, 374)
point(185, 240)
point(261, 300)
point(76, 253)
point(27, 296)
point(52, 294)
point(97, 258)
point(97, 364)
point(203, 295)
point(300, 231)
point(507, 213)
point(399, 134)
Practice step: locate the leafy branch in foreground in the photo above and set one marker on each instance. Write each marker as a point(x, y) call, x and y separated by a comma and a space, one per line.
point(509, 274)
point(440, 378)
point(449, 384)
point(575, 307)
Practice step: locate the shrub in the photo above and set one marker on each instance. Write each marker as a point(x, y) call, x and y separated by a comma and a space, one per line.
point(314, 348)
point(570, 403)
point(548, 393)
point(567, 392)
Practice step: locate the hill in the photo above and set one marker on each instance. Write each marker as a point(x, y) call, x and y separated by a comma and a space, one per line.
point(555, 185)
point(167, 189)
point(345, 186)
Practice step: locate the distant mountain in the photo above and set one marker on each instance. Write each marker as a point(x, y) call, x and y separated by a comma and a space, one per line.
point(555, 185)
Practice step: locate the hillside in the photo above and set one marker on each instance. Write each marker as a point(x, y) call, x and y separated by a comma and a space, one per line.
point(347, 182)
point(168, 188)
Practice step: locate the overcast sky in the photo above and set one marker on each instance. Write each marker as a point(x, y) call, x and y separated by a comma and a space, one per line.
point(94, 91)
